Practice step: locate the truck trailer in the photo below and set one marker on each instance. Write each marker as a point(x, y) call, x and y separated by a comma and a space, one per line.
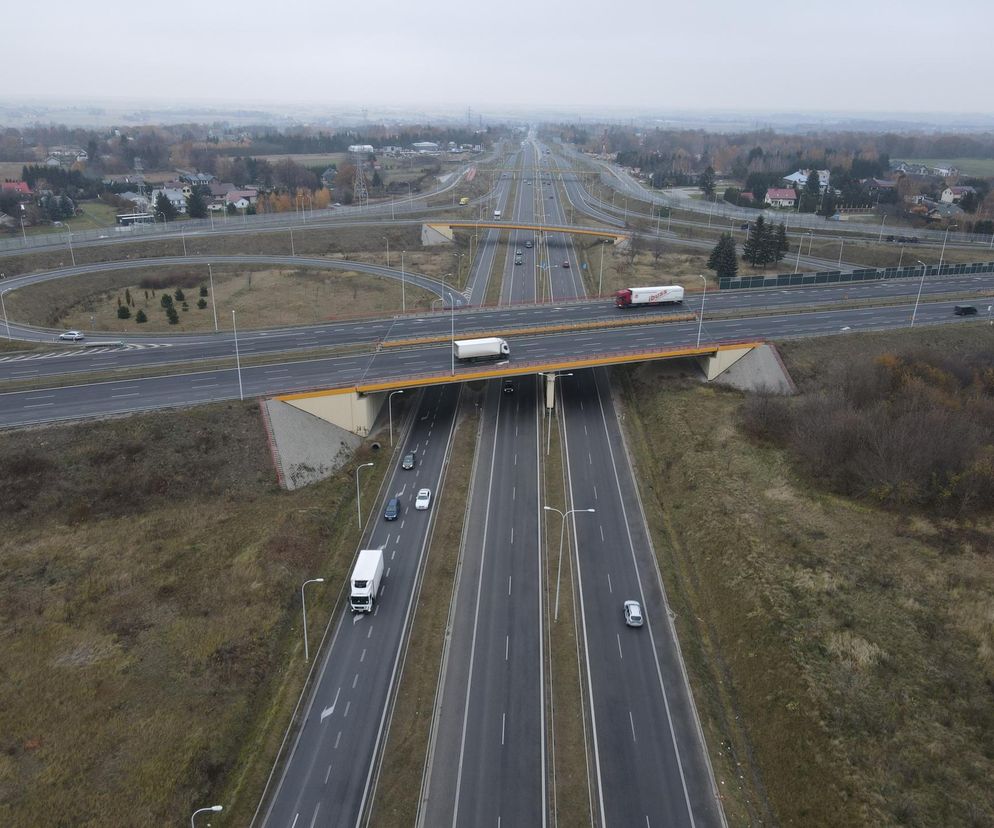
point(632, 297)
point(491, 347)
point(496, 215)
point(364, 585)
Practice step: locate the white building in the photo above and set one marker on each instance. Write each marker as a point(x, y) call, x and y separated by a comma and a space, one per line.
point(363, 149)
point(800, 178)
point(176, 198)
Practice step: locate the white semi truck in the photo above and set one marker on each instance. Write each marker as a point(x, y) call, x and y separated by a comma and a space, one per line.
point(496, 215)
point(665, 295)
point(490, 347)
point(364, 585)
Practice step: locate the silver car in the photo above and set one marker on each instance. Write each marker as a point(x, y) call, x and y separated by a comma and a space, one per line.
point(633, 614)
point(72, 336)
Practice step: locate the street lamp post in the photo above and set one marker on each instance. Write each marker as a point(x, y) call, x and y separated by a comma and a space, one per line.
point(841, 245)
point(881, 234)
point(403, 282)
point(71, 254)
point(562, 534)
point(452, 332)
point(943, 251)
point(293, 252)
point(358, 505)
point(921, 284)
point(214, 808)
point(700, 319)
point(303, 606)
point(554, 375)
point(390, 411)
point(387, 240)
point(600, 278)
point(210, 275)
point(23, 231)
point(4, 307)
point(238, 362)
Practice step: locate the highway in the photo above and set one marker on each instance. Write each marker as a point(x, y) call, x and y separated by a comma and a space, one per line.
point(488, 760)
point(327, 776)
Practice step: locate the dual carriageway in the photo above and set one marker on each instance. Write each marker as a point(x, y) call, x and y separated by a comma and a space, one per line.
point(493, 735)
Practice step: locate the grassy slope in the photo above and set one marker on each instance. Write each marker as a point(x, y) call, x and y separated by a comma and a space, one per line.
point(148, 597)
point(842, 656)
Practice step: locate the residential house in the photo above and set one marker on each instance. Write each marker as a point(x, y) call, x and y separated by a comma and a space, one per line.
point(800, 178)
point(878, 185)
point(176, 198)
point(7, 222)
point(425, 146)
point(780, 197)
point(197, 179)
point(19, 187)
point(241, 198)
point(219, 189)
point(954, 195)
point(140, 201)
point(328, 177)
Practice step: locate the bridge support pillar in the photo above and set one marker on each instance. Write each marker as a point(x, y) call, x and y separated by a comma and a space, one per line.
point(722, 359)
point(350, 410)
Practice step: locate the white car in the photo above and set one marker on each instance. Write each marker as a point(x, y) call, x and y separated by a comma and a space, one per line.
point(72, 336)
point(423, 499)
point(633, 614)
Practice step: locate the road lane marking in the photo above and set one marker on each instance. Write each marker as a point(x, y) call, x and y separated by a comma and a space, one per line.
point(621, 655)
point(362, 658)
point(121, 396)
point(601, 527)
point(595, 493)
point(388, 572)
point(609, 587)
point(370, 632)
point(508, 584)
point(392, 554)
point(512, 535)
point(507, 645)
point(355, 681)
point(329, 710)
point(327, 773)
point(632, 721)
point(38, 405)
point(503, 719)
point(295, 818)
point(348, 707)
point(338, 739)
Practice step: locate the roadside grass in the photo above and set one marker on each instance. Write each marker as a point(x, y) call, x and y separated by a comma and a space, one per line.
point(570, 801)
point(398, 789)
point(840, 655)
point(262, 296)
point(94, 214)
point(149, 596)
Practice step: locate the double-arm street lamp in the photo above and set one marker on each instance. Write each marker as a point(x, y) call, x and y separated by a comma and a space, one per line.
point(214, 808)
point(303, 606)
point(562, 534)
point(357, 496)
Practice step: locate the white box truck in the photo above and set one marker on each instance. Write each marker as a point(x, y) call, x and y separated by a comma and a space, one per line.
point(496, 215)
point(665, 295)
point(491, 347)
point(365, 581)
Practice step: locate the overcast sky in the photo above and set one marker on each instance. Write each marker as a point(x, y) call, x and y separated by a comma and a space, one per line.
point(871, 56)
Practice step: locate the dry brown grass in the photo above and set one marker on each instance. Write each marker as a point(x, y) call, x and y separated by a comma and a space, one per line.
point(840, 655)
point(148, 595)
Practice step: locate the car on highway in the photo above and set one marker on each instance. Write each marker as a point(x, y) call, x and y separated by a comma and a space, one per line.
point(409, 461)
point(72, 336)
point(965, 310)
point(392, 512)
point(566, 264)
point(633, 614)
point(423, 499)
point(528, 244)
point(508, 386)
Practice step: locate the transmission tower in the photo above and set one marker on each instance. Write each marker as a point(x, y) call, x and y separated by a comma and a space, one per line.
point(360, 192)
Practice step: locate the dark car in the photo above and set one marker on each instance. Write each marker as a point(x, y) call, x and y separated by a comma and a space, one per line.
point(408, 462)
point(528, 243)
point(965, 310)
point(392, 512)
point(508, 386)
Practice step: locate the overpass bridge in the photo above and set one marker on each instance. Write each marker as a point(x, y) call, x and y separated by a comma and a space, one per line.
point(576, 230)
point(355, 407)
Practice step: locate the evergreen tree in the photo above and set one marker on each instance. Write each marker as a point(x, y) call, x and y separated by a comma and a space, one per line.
point(201, 303)
point(127, 296)
point(782, 245)
point(706, 182)
point(196, 207)
point(172, 315)
point(179, 295)
point(723, 259)
point(123, 312)
point(203, 290)
point(811, 194)
point(165, 206)
point(140, 317)
point(827, 203)
point(756, 245)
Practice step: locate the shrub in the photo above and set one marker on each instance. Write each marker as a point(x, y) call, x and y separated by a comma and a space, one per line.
point(201, 303)
point(203, 290)
point(166, 301)
point(179, 295)
point(123, 312)
point(172, 315)
point(140, 317)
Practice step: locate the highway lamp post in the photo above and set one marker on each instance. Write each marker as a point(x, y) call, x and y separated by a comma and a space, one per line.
point(71, 254)
point(433, 301)
point(4, 307)
point(238, 362)
point(711, 212)
point(797, 261)
point(942, 253)
point(24, 234)
point(293, 252)
point(403, 284)
point(811, 240)
point(214, 808)
point(358, 502)
point(210, 215)
point(390, 412)
point(387, 240)
point(562, 535)
point(921, 284)
point(900, 259)
point(303, 607)
point(880, 236)
point(452, 332)
point(600, 278)
point(210, 276)
point(182, 235)
point(841, 245)
point(700, 318)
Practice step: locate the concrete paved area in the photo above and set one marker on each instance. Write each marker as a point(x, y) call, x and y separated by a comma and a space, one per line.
point(305, 448)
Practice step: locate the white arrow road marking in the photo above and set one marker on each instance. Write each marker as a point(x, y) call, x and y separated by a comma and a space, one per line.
point(329, 710)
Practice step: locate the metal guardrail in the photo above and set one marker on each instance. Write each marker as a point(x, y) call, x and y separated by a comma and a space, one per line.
point(830, 277)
